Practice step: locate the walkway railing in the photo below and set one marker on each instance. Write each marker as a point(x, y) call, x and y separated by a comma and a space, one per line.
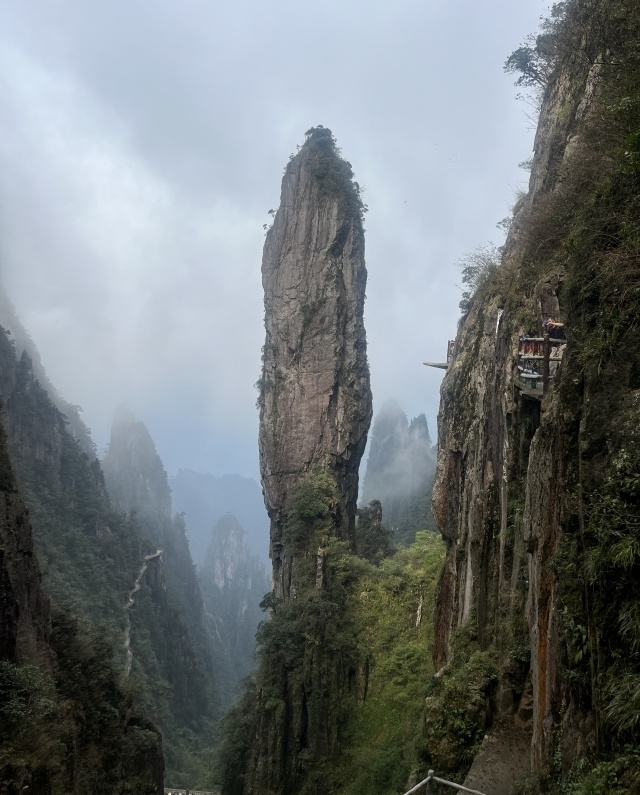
point(425, 785)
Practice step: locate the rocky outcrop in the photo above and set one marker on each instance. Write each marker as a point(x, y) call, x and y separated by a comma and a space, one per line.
point(315, 399)
point(135, 475)
point(205, 499)
point(92, 554)
point(529, 495)
point(168, 604)
point(400, 471)
point(315, 411)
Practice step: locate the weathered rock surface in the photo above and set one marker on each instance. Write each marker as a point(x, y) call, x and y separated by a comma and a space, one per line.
point(315, 403)
point(524, 489)
point(315, 397)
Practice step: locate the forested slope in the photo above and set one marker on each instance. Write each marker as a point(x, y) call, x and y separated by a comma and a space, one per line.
point(92, 553)
point(172, 651)
point(67, 726)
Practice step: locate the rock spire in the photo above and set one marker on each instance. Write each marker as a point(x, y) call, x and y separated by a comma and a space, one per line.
point(315, 398)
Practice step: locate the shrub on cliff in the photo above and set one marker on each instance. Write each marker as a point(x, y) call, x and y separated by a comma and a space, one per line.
point(536, 58)
point(333, 172)
point(479, 269)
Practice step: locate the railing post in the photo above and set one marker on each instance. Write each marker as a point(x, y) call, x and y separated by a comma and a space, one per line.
point(427, 788)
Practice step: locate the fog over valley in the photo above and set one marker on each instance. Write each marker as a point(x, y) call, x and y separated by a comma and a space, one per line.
point(143, 147)
point(249, 543)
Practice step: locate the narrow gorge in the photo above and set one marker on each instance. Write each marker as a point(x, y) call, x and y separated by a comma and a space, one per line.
point(473, 612)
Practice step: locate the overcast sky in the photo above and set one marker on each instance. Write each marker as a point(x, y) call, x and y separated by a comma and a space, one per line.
point(143, 143)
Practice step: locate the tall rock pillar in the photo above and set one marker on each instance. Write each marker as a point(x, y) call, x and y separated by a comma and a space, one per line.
point(315, 398)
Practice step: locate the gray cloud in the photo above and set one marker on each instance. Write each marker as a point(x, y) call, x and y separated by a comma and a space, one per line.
point(144, 143)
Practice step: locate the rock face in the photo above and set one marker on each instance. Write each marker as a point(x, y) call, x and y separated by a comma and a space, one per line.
point(533, 493)
point(315, 399)
point(400, 471)
point(233, 584)
point(315, 405)
point(25, 621)
point(64, 723)
point(169, 605)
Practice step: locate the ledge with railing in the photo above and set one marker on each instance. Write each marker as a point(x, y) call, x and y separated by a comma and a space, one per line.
point(425, 785)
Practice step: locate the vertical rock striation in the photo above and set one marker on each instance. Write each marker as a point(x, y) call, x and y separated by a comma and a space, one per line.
point(315, 411)
point(315, 399)
point(536, 496)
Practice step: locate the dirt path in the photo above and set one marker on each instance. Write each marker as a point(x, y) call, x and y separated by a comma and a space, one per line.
point(503, 760)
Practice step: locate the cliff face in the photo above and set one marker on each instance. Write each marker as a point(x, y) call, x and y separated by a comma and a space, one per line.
point(315, 399)
point(77, 536)
point(24, 609)
point(400, 471)
point(65, 725)
point(233, 583)
point(205, 499)
point(315, 412)
point(533, 492)
point(94, 554)
point(135, 475)
point(169, 639)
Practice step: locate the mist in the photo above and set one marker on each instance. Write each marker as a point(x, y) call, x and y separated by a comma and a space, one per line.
point(400, 471)
point(143, 146)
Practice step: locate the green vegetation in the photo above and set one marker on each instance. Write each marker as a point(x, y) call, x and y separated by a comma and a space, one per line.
point(583, 223)
point(393, 606)
point(90, 555)
point(70, 723)
point(310, 510)
point(456, 707)
point(355, 657)
point(334, 175)
point(172, 673)
point(535, 60)
point(479, 270)
point(373, 539)
point(593, 227)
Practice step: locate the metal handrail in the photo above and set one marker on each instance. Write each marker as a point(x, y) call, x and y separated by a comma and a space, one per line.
point(431, 777)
